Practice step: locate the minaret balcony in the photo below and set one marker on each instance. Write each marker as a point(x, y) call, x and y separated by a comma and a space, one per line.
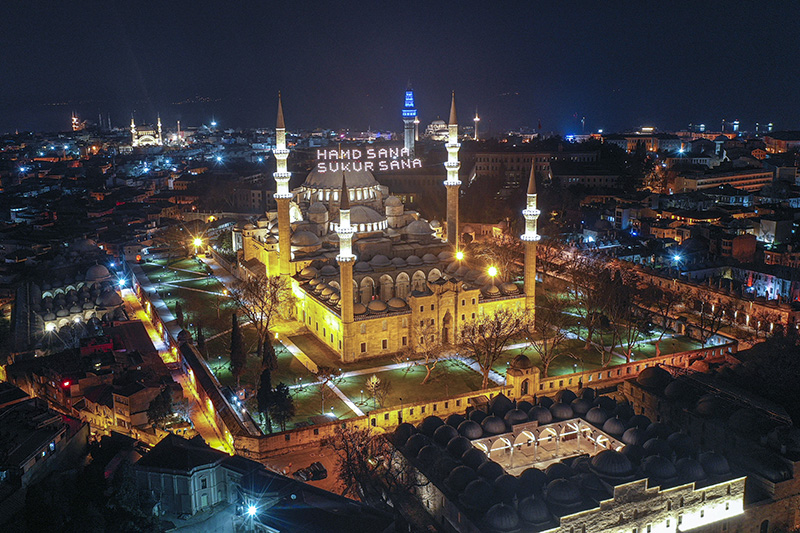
point(346, 258)
point(452, 165)
point(531, 213)
point(452, 183)
point(530, 237)
point(282, 176)
point(280, 152)
point(283, 196)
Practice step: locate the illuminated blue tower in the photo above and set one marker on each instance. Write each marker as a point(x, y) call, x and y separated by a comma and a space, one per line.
point(409, 120)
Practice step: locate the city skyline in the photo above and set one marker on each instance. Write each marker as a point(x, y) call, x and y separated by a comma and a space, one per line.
point(349, 67)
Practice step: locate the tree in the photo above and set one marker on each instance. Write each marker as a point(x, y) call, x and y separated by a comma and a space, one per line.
point(711, 318)
point(238, 353)
point(426, 350)
point(282, 408)
point(378, 389)
point(502, 252)
point(588, 289)
point(548, 330)
point(488, 335)
point(200, 338)
point(627, 322)
point(160, 407)
point(371, 468)
point(327, 378)
point(179, 314)
point(659, 303)
point(265, 397)
point(261, 299)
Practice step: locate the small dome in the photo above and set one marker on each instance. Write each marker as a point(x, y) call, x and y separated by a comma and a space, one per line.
point(521, 362)
point(474, 458)
point(611, 463)
point(607, 403)
point(359, 309)
point(457, 446)
point(540, 414)
point(710, 406)
point(614, 427)
point(658, 446)
point(596, 416)
point(545, 401)
point(314, 282)
point(563, 492)
point(109, 299)
point(398, 262)
point(562, 411)
point(328, 270)
point(402, 432)
point(509, 288)
point(377, 306)
point(61, 312)
point(396, 303)
point(429, 425)
point(634, 452)
point(477, 415)
point(362, 266)
point(317, 208)
point(429, 455)
point(506, 487)
point(493, 425)
point(477, 495)
point(634, 436)
point(500, 405)
point(565, 396)
point(430, 259)
point(624, 411)
point(49, 316)
point(690, 470)
point(524, 405)
point(490, 470)
point(416, 442)
point(418, 227)
point(454, 420)
point(678, 388)
point(444, 257)
point(308, 272)
point(97, 273)
point(654, 377)
point(413, 260)
point(444, 434)
point(470, 429)
point(380, 260)
point(533, 511)
point(682, 444)
point(659, 468)
point(491, 290)
point(516, 416)
point(558, 470)
point(305, 238)
point(639, 421)
point(501, 517)
point(531, 481)
point(658, 430)
point(580, 406)
point(714, 464)
point(393, 201)
point(460, 477)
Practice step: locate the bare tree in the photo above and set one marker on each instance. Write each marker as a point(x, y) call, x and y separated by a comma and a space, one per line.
point(378, 389)
point(327, 378)
point(372, 468)
point(548, 330)
point(488, 335)
point(503, 252)
point(261, 299)
point(426, 350)
point(588, 289)
point(549, 254)
point(660, 304)
point(712, 317)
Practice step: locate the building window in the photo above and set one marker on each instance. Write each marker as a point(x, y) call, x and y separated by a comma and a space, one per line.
point(386, 416)
point(432, 307)
point(363, 347)
point(423, 410)
point(404, 341)
point(363, 329)
point(463, 303)
point(384, 344)
point(473, 301)
point(421, 308)
point(385, 324)
point(203, 483)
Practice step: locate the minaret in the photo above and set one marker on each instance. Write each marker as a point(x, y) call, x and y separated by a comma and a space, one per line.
point(476, 120)
point(409, 119)
point(452, 183)
point(160, 140)
point(282, 195)
point(346, 259)
point(133, 132)
point(530, 238)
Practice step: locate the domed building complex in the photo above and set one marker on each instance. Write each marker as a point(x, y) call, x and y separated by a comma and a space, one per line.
point(365, 269)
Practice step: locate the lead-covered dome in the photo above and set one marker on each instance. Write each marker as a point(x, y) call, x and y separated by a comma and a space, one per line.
point(611, 463)
point(333, 180)
point(97, 273)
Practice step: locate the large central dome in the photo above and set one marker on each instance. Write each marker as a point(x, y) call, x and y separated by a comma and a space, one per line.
point(333, 180)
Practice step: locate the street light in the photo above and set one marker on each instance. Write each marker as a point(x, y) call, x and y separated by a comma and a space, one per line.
point(492, 272)
point(459, 255)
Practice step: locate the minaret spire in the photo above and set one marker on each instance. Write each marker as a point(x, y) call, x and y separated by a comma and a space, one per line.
point(530, 238)
point(282, 195)
point(409, 121)
point(160, 139)
point(346, 259)
point(452, 182)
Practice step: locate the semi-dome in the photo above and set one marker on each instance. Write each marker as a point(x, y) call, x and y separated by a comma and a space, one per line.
point(501, 517)
point(458, 445)
point(611, 463)
point(460, 477)
point(419, 227)
point(304, 238)
point(97, 273)
point(533, 510)
point(521, 362)
point(333, 180)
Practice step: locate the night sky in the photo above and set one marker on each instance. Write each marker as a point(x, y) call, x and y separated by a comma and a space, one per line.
point(346, 64)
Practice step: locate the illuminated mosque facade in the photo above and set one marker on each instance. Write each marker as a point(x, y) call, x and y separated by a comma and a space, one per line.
point(370, 277)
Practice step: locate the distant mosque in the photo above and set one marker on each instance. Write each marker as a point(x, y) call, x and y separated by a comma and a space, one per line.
point(368, 276)
point(146, 135)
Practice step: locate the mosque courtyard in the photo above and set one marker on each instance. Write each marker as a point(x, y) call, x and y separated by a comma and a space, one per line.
point(198, 286)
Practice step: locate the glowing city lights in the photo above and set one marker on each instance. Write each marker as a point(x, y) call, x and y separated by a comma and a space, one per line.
point(492, 271)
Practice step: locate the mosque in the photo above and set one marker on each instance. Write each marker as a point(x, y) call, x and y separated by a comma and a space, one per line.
point(368, 276)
